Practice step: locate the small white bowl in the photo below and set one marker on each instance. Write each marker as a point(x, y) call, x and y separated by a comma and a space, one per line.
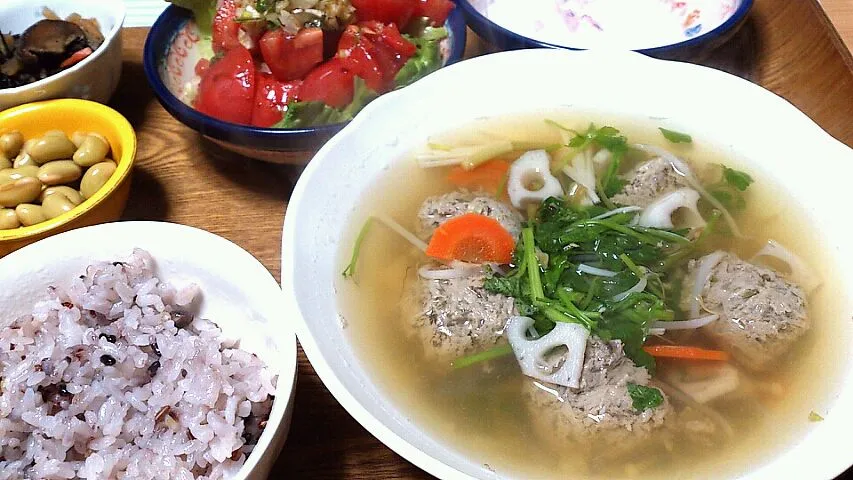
point(238, 294)
point(95, 78)
point(744, 120)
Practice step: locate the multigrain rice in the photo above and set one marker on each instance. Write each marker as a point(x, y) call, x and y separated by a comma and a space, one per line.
point(99, 382)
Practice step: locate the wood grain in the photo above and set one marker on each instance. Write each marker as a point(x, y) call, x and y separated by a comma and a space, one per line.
point(840, 13)
point(787, 46)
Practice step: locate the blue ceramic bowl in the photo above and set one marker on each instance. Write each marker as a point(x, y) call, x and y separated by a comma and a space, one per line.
point(673, 29)
point(169, 60)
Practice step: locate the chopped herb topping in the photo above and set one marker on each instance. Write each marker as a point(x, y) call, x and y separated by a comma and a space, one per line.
point(675, 137)
point(736, 178)
point(644, 397)
point(560, 291)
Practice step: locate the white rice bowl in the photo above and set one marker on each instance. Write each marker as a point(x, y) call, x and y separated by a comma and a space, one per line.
point(114, 365)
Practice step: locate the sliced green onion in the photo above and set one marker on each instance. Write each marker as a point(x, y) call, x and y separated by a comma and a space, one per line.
point(479, 357)
point(356, 249)
point(536, 290)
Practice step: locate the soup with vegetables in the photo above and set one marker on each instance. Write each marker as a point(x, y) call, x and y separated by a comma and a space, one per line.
point(563, 298)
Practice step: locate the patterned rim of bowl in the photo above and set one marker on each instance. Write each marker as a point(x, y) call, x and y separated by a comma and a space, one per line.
point(160, 39)
point(505, 38)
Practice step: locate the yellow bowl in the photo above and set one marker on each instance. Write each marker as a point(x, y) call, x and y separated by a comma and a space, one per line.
point(71, 115)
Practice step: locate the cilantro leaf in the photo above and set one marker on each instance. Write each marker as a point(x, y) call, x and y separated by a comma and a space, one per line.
point(605, 137)
point(736, 178)
point(509, 286)
point(675, 137)
point(644, 397)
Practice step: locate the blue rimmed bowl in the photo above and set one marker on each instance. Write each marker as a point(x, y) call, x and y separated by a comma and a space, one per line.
point(171, 52)
point(673, 29)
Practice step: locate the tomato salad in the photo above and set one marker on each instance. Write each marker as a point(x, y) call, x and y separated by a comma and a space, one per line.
point(299, 63)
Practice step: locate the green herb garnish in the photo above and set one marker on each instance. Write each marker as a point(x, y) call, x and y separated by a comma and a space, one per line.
point(675, 137)
point(736, 178)
point(559, 292)
point(730, 188)
point(815, 417)
point(643, 397)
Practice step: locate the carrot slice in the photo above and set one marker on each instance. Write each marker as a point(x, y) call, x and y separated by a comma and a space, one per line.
point(76, 57)
point(488, 176)
point(472, 238)
point(692, 353)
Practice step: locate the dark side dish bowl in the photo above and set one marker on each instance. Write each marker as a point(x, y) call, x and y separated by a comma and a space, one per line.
point(171, 58)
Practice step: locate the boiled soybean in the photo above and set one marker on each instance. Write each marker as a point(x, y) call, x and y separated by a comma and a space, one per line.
point(35, 174)
point(24, 160)
point(78, 137)
point(55, 205)
point(11, 174)
point(30, 214)
point(93, 150)
point(59, 172)
point(11, 143)
point(23, 190)
point(51, 146)
point(96, 177)
point(8, 219)
point(72, 195)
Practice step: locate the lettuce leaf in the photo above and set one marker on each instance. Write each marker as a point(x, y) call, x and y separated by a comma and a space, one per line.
point(309, 114)
point(203, 13)
point(426, 60)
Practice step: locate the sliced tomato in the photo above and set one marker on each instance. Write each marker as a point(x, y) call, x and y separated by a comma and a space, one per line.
point(356, 53)
point(227, 89)
point(226, 30)
point(292, 56)
point(201, 66)
point(436, 10)
point(374, 52)
point(330, 83)
point(271, 99)
point(385, 11)
point(392, 37)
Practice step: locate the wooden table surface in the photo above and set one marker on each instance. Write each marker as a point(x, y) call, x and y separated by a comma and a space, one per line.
point(786, 46)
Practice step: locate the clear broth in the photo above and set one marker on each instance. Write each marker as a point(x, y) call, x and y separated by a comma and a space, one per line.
point(479, 412)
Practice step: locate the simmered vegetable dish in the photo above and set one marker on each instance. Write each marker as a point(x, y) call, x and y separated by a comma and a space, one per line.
point(47, 47)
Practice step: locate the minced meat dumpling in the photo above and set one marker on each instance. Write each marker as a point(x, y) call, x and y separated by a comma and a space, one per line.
point(458, 316)
point(648, 181)
point(761, 313)
point(602, 403)
point(441, 208)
